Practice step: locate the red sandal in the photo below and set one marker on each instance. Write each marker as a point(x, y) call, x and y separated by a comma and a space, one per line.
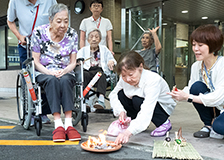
point(59, 134)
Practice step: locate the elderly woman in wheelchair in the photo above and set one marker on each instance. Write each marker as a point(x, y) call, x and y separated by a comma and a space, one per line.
point(98, 58)
point(54, 47)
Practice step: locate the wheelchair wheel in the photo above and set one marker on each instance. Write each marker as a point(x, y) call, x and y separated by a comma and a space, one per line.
point(77, 111)
point(38, 124)
point(20, 97)
point(84, 121)
point(24, 102)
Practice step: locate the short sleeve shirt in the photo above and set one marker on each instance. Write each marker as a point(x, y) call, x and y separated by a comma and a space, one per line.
point(25, 11)
point(54, 56)
point(149, 56)
point(104, 24)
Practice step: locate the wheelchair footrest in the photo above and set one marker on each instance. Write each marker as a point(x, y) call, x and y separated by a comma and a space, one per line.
point(104, 111)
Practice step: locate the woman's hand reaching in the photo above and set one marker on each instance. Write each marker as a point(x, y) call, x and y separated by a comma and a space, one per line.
point(178, 95)
point(123, 137)
point(154, 30)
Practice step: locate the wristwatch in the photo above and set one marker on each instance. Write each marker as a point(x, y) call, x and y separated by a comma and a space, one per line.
point(190, 98)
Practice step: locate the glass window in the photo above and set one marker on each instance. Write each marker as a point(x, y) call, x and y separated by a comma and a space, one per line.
point(2, 48)
point(13, 52)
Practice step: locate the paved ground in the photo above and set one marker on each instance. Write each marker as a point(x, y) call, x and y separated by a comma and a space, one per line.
point(184, 116)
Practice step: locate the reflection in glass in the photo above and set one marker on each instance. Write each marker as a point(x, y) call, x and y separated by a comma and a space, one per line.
point(13, 52)
point(2, 47)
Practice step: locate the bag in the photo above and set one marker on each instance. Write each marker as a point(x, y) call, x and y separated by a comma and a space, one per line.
point(116, 127)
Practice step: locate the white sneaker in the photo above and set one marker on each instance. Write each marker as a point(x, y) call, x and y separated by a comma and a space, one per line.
point(215, 135)
point(99, 105)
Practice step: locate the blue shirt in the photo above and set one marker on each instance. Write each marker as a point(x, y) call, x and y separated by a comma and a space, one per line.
point(26, 11)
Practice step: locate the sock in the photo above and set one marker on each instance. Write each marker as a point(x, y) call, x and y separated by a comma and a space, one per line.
point(204, 129)
point(58, 123)
point(101, 98)
point(68, 122)
point(167, 121)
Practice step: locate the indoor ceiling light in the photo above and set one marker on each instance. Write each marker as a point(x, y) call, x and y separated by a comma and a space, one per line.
point(184, 11)
point(217, 21)
point(204, 17)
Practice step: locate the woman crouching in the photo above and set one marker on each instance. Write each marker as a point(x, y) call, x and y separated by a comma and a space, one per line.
point(141, 95)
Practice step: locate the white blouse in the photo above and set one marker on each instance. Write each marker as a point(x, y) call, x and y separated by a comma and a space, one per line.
point(212, 99)
point(153, 89)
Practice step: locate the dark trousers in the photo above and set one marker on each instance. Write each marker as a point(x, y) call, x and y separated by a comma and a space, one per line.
point(218, 124)
point(59, 91)
point(22, 55)
point(206, 113)
point(133, 106)
point(101, 84)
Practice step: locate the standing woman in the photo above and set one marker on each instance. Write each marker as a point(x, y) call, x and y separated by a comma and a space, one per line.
point(96, 21)
point(148, 53)
point(54, 49)
point(206, 85)
point(141, 95)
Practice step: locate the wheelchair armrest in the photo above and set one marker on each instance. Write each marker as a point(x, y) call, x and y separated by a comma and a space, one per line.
point(79, 59)
point(78, 75)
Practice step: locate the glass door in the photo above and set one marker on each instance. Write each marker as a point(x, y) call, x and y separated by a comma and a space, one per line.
point(138, 20)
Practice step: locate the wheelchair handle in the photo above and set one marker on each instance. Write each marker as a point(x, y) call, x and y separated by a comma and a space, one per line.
point(28, 60)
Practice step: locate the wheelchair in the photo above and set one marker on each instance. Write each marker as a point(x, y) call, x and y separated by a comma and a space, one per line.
point(27, 106)
point(80, 111)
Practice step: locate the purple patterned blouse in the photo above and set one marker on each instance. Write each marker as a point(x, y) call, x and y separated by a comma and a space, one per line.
point(54, 56)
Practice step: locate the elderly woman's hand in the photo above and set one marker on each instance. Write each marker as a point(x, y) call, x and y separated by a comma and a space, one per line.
point(111, 64)
point(58, 73)
point(122, 117)
point(123, 137)
point(154, 30)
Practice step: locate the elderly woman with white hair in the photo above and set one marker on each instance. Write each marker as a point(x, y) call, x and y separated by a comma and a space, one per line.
point(149, 54)
point(101, 60)
point(54, 47)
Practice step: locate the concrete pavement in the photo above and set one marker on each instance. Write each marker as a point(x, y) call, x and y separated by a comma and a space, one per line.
point(184, 116)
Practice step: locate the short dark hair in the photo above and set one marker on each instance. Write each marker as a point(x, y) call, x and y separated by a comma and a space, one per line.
point(209, 35)
point(130, 60)
point(96, 1)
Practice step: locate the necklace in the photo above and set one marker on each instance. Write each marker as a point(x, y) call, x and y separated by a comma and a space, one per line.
point(203, 70)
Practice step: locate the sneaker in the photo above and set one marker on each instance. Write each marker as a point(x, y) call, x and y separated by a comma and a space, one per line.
point(215, 135)
point(32, 121)
point(45, 119)
point(203, 133)
point(99, 105)
point(73, 134)
point(59, 134)
point(161, 130)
